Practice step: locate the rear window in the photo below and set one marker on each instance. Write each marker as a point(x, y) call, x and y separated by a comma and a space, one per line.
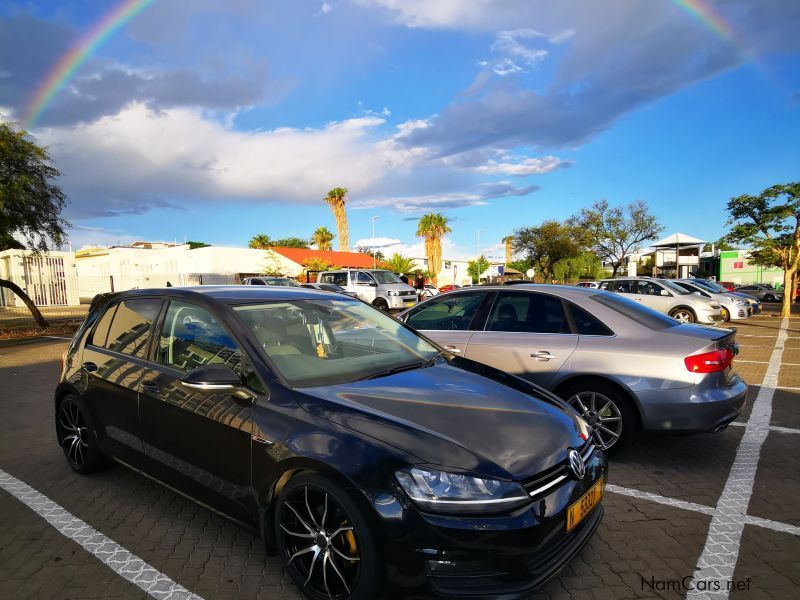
point(635, 311)
point(130, 326)
point(100, 333)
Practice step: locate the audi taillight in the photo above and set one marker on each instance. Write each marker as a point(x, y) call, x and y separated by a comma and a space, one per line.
point(709, 362)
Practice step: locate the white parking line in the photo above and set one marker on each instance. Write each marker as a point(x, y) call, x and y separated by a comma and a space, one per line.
point(701, 508)
point(721, 550)
point(758, 362)
point(775, 428)
point(126, 564)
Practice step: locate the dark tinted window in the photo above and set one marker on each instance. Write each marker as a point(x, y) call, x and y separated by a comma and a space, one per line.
point(257, 282)
point(192, 337)
point(587, 324)
point(334, 278)
point(130, 328)
point(528, 313)
point(454, 312)
point(621, 287)
point(362, 278)
point(635, 311)
point(100, 333)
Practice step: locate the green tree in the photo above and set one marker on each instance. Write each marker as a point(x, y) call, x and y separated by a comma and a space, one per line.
point(194, 245)
point(770, 224)
point(544, 246)
point(476, 267)
point(432, 227)
point(290, 242)
point(30, 202)
point(379, 255)
point(720, 244)
point(585, 265)
point(398, 263)
point(322, 238)
point(336, 199)
point(615, 232)
point(260, 242)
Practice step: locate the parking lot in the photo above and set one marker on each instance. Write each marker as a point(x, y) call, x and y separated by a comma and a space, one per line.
point(724, 503)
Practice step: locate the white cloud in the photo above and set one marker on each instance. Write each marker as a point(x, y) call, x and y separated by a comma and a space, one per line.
point(325, 8)
point(524, 166)
point(444, 201)
point(377, 242)
point(132, 160)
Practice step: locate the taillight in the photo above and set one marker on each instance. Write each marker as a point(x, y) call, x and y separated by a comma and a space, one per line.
point(709, 362)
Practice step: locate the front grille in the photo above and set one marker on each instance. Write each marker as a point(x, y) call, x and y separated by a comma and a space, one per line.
point(408, 293)
point(550, 480)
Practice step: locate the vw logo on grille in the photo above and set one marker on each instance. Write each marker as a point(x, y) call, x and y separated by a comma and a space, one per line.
point(576, 464)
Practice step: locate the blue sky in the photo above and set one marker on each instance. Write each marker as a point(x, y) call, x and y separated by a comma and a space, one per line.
point(217, 120)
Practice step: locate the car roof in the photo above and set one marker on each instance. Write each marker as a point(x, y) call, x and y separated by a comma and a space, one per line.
point(533, 287)
point(230, 294)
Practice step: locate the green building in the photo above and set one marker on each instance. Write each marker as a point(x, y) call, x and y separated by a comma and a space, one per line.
point(733, 265)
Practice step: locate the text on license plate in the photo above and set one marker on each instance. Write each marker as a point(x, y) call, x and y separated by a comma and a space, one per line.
point(578, 511)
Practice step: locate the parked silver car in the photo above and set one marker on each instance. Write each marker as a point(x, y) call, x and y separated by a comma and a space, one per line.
point(713, 286)
point(731, 306)
point(273, 281)
point(383, 289)
point(623, 366)
point(760, 292)
point(666, 297)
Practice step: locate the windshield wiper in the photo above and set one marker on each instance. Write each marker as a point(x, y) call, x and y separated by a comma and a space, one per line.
point(399, 369)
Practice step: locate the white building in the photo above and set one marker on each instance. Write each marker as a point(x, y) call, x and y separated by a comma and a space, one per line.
point(453, 271)
point(49, 279)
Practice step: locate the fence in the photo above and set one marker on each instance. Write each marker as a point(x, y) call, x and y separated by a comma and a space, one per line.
point(63, 298)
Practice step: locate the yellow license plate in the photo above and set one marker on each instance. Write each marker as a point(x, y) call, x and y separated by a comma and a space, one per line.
point(578, 511)
point(409, 302)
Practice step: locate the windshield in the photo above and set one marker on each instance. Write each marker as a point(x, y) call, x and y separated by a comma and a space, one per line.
point(674, 287)
point(385, 277)
point(710, 286)
point(326, 342)
point(635, 311)
point(282, 281)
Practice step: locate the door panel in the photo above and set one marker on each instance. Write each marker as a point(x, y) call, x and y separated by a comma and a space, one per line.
point(448, 320)
point(198, 440)
point(527, 334)
point(113, 361)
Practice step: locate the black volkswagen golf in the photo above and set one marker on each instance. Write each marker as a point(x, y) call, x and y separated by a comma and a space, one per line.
point(366, 456)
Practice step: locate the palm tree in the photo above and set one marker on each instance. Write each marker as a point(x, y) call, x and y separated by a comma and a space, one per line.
point(260, 242)
point(336, 199)
point(397, 263)
point(322, 238)
point(508, 241)
point(432, 228)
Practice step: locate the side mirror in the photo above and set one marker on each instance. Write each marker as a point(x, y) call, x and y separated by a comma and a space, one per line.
point(665, 293)
point(213, 378)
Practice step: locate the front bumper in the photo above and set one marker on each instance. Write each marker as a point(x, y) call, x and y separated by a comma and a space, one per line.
point(738, 312)
point(401, 302)
point(706, 406)
point(710, 318)
point(505, 556)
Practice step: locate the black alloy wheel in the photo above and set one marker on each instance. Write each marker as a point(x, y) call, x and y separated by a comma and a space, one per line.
point(324, 541)
point(608, 414)
point(381, 304)
point(76, 436)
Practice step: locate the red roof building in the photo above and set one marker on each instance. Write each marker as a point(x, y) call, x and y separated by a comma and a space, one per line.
point(349, 260)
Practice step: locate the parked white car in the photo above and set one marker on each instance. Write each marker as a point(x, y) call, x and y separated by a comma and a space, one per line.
point(666, 297)
point(731, 307)
point(383, 289)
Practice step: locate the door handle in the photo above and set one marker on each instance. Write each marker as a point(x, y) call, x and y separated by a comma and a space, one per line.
point(150, 387)
point(452, 349)
point(543, 355)
point(90, 367)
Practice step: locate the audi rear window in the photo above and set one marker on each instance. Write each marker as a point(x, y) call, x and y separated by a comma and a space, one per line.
point(636, 312)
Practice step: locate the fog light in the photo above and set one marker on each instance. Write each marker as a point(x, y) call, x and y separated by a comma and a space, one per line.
point(460, 567)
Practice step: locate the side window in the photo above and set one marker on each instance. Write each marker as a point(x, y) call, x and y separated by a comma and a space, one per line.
point(130, 328)
point(339, 279)
point(257, 282)
point(648, 288)
point(621, 287)
point(100, 333)
point(528, 313)
point(326, 278)
point(587, 324)
point(362, 278)
point(452, 313)
point(192, 337)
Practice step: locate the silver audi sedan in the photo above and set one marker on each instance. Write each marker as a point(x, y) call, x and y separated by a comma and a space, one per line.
point(624, 367)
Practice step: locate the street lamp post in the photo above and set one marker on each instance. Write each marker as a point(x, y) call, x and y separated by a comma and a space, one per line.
point(374, 259)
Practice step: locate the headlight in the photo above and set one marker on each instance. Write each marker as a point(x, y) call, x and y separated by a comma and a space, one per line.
point(739, 302)
point(440, 491)
point(392, 293)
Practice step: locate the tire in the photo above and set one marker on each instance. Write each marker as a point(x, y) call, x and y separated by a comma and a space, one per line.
point(76, 435)
point(348, 562)
point(726, 315)
point(380, 304)
point(590, 399)
point(683, 315)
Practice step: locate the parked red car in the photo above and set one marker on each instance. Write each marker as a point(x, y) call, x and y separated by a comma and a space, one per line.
point(728, 285)
point(449, 288)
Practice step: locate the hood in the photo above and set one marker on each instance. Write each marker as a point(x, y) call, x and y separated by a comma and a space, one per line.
point(455, 414)
point(744, 297)
point(396, 286)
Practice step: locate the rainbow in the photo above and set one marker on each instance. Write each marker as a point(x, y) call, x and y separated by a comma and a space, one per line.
point(703, 13)
point(77, 55)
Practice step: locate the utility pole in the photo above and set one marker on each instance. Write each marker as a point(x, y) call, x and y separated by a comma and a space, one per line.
point(374, 259)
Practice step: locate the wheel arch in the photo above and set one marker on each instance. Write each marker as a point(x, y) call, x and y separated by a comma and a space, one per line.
point(619, 386)
point(683, 307)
